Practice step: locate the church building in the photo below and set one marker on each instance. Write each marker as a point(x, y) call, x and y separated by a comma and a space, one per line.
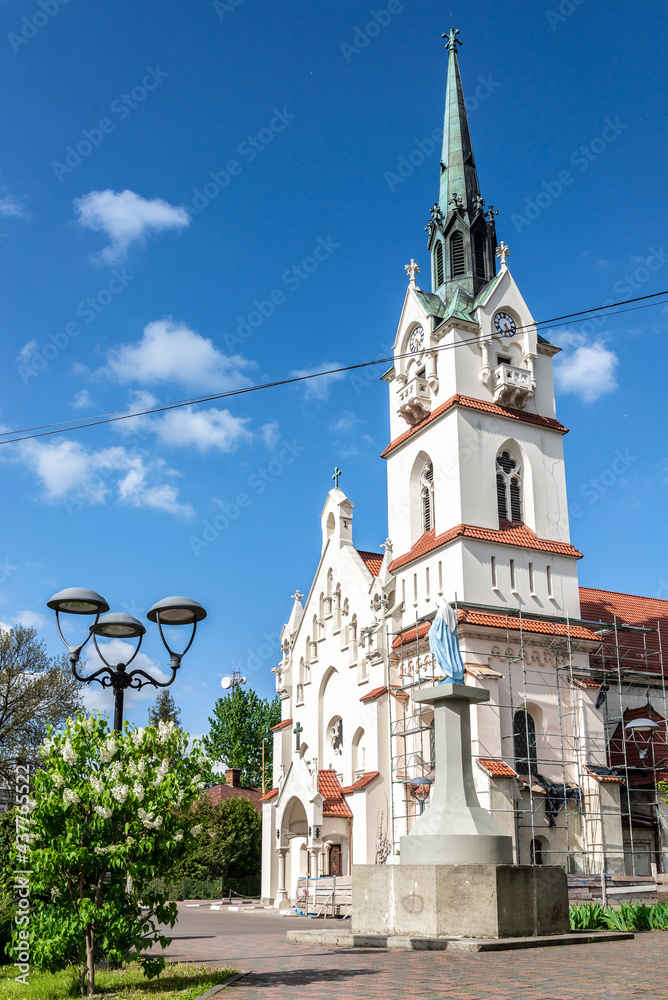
point(570, 748)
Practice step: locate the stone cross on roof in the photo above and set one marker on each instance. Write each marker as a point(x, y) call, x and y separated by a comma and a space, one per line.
point(452, 40)
point(298, 730)
point(335, 477)
point(502, 252)
point(412, 269)
point(297, 596)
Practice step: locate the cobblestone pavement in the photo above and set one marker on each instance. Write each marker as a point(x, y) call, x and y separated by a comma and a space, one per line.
point(256, 942)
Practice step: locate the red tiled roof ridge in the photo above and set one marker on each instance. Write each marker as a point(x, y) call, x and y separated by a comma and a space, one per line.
point(333, 803)
point(623, 593)
point(361, 783)
point(496, 767)
point(281, 725)
point(271, 794)
point(372, 560)
point(469, 402)
point(516, 533)
point(493, 619)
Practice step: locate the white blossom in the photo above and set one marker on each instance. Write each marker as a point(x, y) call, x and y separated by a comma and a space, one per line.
point(70, 797)
point(138, 791)
point(120, 793)
point(97, 785)
point(101, 811)
point(58, 780)
point(101, 850)
point(137, 737)
point(108, 749)
point(68, 753)
point(161, 773)
point(180, 796)
point(201, 785)
point(178, 835)
point(196, 830)
point(165, 730)
point(47, 745)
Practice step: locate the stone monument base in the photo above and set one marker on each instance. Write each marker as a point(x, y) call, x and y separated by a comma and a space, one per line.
point(472, 901)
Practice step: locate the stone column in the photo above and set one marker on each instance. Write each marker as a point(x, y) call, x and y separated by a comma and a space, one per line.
point(315, 857)
point(281, 891)
point(454, 829)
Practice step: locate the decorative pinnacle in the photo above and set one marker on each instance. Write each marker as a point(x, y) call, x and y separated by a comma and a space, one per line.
point(297, 596)
point(452, 40)
point(491, 212)
point(412, 269)
point(502, 252)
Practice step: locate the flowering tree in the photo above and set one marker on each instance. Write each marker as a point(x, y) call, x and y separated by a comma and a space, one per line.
point(107, 808)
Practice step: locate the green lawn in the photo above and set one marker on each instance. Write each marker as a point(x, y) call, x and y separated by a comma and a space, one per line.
point(183, 981)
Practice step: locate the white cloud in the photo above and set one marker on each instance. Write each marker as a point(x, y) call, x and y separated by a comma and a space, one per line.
point(29, 619)
point(125, 218)
point(270, 433)
point(317, 388)
point(10, 207)
point(172, 352)
point(82, 400)
point(70, 473)
point(346, 422)
point(186, 427)
point(588, 370)
point(98, 699)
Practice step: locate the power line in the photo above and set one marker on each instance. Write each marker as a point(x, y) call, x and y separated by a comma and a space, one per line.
point(61, 427)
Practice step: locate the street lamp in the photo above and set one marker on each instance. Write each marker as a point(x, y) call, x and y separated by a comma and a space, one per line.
point(645, 729)
point(420, 787)
point(116, 625)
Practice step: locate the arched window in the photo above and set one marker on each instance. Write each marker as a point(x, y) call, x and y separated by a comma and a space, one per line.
point(438, 264)
point(427, 497)
point(508, 487)
point(479, 247)
point(457, 258)
point(536, 851)
point(524, 743)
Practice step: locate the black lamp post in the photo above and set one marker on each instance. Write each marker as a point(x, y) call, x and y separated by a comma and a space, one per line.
point(115, 625)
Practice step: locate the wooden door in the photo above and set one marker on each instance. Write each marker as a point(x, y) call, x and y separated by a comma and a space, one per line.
point(335, 860)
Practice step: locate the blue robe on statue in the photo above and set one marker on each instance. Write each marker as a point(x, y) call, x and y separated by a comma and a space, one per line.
point(444, 643)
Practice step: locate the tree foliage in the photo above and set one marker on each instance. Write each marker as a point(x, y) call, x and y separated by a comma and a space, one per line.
point(228, 844)
point(164, 709)
point(240, 722)
point(35, 691)
point(106, 807)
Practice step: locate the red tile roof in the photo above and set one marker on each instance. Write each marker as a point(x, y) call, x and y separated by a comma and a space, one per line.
point(377, 692)
point(603, 777)
point(372, 560)
point(221, 793)
point(333, 802)
point(501, 621)
point(361, 783)
point(509, 533)
point(281, 725)
point(638, 651)
point(496, 768)
point(468, 402)
point(269, 795)
point(622, 741)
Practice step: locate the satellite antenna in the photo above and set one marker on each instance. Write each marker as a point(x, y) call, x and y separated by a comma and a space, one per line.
point(233, 682)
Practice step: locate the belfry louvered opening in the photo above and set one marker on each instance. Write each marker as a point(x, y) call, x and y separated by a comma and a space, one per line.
point(427, 497)
point(479, 246)
point(457, 256)
point(508, 487)
point(438, 264)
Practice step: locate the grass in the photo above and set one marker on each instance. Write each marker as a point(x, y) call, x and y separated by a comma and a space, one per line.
point(625, 917)
point(179, 980)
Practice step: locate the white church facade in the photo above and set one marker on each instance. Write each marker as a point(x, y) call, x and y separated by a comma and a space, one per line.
point(477, 515)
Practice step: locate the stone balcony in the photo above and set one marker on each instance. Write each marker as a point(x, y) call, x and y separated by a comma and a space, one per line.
point(415, 400)
point(512, 386)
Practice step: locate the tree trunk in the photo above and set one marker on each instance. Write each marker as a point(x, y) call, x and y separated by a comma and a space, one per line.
point(90, 962)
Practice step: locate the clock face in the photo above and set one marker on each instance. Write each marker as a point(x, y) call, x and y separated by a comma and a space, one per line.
point(416, 342)
point(505, 324)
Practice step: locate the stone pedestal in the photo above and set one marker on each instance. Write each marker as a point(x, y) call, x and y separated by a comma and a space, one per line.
point(477, 901)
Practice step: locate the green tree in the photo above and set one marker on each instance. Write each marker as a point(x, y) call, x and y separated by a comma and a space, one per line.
point(240, 722)
point(106, 807)
point(164, 709)
point(228, 844)
point(35, 691)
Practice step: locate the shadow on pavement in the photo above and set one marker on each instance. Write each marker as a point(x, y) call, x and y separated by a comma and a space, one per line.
point(300, 977)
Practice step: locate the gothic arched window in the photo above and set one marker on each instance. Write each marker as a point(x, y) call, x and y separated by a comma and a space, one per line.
point(438, 264)
point(457, 257)
point(508, 487)
point(524, 743)
point(427, 497)
point(479, 247)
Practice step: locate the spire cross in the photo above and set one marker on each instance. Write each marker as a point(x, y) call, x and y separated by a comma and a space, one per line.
point(298, 730)
point(491, 212)
point(452, 40)
point(412, 269)
point(335, 477)
point(297, 596)
point(502, 252)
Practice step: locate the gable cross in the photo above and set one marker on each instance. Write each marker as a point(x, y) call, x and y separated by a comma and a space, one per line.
point(335, 477)
point(411, 270)
point(298, 730)
point(502, 252)
point(297, 596)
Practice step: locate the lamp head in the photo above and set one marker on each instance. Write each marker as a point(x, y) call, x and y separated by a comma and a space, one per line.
point(117, 625)
point(176, 611)
point(642, 726)
point(78, 601)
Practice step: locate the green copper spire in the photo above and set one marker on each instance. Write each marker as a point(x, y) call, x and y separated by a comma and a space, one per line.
point(462, 239)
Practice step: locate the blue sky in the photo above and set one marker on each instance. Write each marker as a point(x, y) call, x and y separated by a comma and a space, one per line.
point(169, 170)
